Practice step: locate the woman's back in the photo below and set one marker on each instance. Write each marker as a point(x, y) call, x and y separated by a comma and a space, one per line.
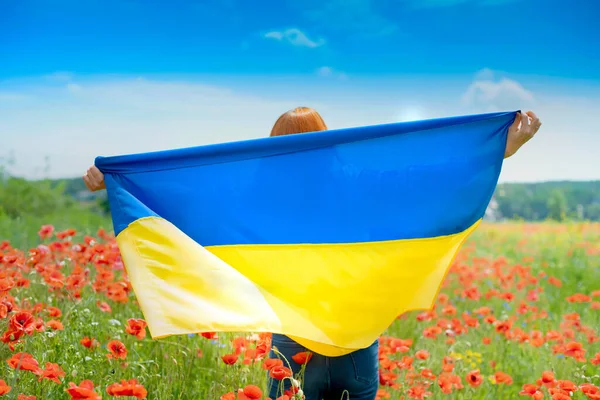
point(324, 378)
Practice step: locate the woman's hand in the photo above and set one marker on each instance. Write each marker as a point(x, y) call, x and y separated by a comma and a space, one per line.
point(94, 179)
point(524, 128)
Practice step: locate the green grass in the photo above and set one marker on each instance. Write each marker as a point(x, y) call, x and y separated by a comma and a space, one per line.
point(22, 232)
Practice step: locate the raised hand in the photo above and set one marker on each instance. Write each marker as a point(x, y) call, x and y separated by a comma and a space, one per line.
point(521, 131)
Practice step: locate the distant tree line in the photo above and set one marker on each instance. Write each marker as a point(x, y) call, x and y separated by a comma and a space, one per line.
point(559, 200)
point(27, 205)
point(526, 201)
point(44, 198)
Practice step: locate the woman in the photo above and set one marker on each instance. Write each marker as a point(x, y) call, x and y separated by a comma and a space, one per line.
point(354, 375)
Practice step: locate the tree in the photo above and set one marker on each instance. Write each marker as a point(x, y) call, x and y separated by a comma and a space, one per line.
point(557, 205)
point(592, 212)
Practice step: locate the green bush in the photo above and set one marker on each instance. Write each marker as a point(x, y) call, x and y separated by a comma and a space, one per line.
point(27, 205)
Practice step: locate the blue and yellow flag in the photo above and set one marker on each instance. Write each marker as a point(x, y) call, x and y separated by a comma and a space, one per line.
point(325, 237)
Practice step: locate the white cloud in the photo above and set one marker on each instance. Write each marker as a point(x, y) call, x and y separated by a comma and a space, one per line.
point(60, 76)
point(487, 94)
point(325, 71)
point(274, 35)
point(74, 88)
point(328, 72)
point(484, 74)
point(295, 37)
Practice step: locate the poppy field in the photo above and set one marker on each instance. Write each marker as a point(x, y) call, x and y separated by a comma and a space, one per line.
point(518, 316)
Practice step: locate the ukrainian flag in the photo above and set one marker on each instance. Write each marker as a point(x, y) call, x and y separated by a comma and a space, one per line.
point(325, 237)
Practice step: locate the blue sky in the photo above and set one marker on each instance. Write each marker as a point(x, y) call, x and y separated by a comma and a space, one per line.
point(358, 36)
point(127, 74)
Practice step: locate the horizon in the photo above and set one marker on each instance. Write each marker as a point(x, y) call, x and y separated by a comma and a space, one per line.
point(167, 77)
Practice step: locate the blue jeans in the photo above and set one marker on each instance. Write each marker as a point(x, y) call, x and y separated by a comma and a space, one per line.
point(354, 376)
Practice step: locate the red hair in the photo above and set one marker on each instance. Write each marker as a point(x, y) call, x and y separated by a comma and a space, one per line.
point(298, 120)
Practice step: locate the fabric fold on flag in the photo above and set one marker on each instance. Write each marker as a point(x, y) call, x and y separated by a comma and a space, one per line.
point(325, 237)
